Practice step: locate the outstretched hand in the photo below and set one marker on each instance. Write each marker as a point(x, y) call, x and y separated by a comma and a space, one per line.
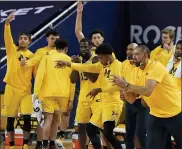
point(10, 17)
point(94, 93)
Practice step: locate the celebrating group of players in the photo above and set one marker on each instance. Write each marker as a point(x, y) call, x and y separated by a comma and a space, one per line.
point(143, 81)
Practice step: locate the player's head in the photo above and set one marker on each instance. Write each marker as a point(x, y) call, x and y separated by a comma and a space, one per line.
point(129, 50)
point(104, 52)
point(61, 45)
point(167, 36)
point(85, 47)
point(140, 55)
point(178, 50)
point(51, 36)
point(97, 37)
point(24, 40)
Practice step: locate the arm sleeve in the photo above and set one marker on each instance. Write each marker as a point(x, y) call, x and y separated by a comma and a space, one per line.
point(8, 39)
point(92, 68)
point(157, 73)
point(40, 76)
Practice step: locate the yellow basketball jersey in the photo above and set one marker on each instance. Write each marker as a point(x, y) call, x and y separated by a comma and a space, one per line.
point(85, 84)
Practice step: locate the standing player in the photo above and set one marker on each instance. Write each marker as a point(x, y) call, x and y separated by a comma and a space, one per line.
point(174, 65)
point(87, 83)
point(108, 114)
point(163, 99)
point(57, 88)
point(136, 113)
point(18, 83)
point(51, 36)
point(163, 52)
point(96, 36)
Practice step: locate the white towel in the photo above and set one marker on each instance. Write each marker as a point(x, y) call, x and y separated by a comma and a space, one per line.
point(170, 66)
point(38, 112)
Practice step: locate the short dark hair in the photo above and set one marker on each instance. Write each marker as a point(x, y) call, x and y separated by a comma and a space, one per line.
point(61, 44)
point(86, 40)
point(51, 32)
point(170, 32)
point(97, 31)
point(104, 48)
point(144, 49)
point(26, 34)
point(179, 42)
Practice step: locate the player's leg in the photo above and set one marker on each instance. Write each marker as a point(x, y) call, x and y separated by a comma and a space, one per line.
point(48, 109)
point(110, 116)
point(26, 110)
point(39, 137)
point(63, 125)
point(54, 128)
point(108, 133)
point(83, 114)
point(92, 132)
point(95, 124)
point(10, 110)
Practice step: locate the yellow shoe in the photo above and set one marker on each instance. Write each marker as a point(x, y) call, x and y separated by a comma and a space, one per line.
point(25, 146)
point(12, 147)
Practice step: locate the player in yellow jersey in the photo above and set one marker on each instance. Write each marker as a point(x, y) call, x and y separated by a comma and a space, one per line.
point(96, 36)
point(107, 115)
point(18, 83)
point(163, 99)
point(57, 88)
point(163, 52)
point(87, 83)
point(174, 65)
point(51, 36)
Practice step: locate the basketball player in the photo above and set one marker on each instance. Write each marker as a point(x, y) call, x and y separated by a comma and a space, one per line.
point(136, 113)
point(57, 88)
point(18, 83)
point(96, 36)
point(174, 68)
point(87, 83)
point(51, 36)
point(163, 99)
point(108, 114)
point(164, 52)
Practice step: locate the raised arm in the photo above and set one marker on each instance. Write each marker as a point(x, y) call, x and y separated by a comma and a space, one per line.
point(78, 24)
point(9, 43)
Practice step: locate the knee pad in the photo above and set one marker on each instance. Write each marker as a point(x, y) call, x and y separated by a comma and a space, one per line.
point(27, 123)
point(10, 124)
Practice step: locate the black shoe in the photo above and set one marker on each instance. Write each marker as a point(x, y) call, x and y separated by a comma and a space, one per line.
point(38, 146)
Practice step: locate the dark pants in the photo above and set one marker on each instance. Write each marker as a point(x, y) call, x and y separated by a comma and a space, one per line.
point(135, 118)
point(157, 129)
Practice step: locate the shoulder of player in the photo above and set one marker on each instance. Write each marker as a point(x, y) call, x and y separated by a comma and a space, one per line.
point(40, 50)
point(95, 59)
point(156, 66)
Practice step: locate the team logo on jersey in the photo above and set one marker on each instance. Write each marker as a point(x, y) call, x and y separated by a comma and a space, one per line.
point(107, 73)
point(114, 113)
point(47, 53)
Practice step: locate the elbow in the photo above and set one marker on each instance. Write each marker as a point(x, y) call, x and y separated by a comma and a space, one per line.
point(148, 92)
